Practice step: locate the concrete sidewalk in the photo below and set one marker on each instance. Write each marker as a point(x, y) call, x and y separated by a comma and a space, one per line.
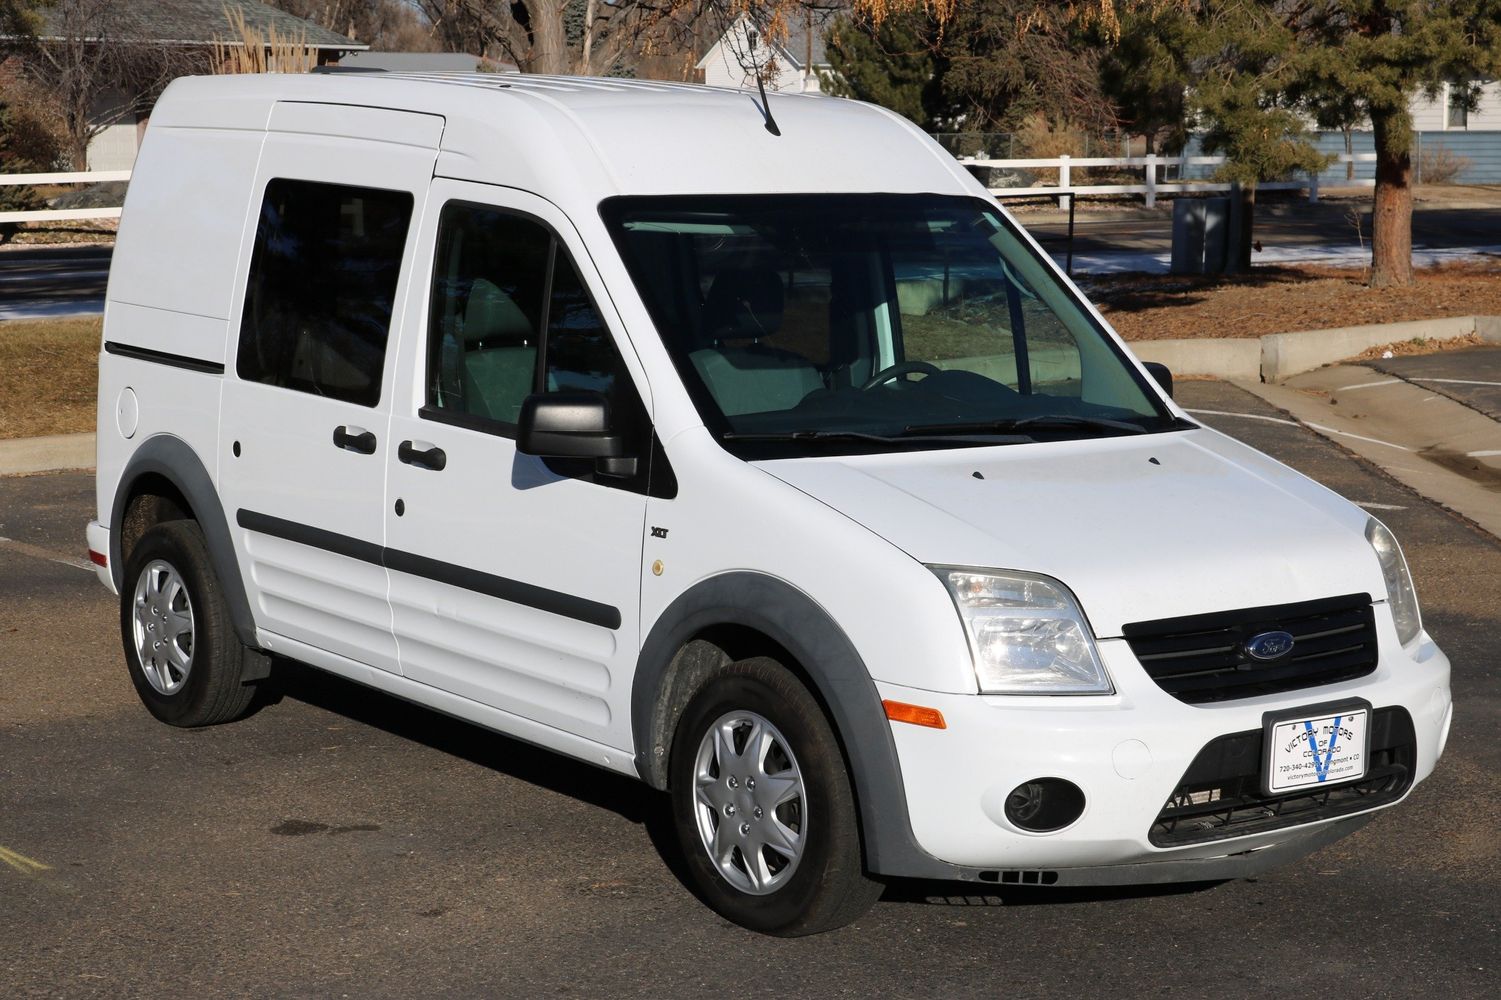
point(19, 456)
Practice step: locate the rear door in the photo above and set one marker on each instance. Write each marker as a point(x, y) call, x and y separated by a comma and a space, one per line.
point(306, 406)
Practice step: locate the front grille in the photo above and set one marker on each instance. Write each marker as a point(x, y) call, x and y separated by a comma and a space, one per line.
point(1201, 658)
point(1220, 794)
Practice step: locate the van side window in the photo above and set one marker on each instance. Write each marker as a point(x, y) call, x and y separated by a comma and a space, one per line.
point(580, 354)
point(484, 331)
point(499, 281)
point(322, 284)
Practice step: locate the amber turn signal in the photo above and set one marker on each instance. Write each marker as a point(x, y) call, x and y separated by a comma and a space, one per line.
point(900, 711)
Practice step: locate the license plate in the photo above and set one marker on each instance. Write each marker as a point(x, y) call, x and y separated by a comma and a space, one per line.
point(1319, 746)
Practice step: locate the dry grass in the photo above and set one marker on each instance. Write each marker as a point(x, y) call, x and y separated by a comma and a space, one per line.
point(1282, 299)
point(1420, 345)
point(49, 373)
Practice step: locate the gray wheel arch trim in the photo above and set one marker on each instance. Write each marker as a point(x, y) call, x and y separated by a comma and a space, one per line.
point(174, 460)
point(795, 622)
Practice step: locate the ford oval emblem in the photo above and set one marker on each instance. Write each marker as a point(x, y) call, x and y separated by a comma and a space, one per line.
point(1269, 645)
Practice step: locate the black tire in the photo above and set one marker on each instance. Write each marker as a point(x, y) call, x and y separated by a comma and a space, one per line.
point(210, 688)
point(825, 886)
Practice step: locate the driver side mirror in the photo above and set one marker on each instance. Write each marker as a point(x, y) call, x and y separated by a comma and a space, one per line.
point(573, 425)
point(1160, 375)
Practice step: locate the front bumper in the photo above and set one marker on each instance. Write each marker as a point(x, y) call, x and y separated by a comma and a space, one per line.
point(1128, 753)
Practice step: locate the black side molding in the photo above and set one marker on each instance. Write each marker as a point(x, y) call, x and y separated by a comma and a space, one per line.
point(163, 358)
point(318, 538)
point(515, 591)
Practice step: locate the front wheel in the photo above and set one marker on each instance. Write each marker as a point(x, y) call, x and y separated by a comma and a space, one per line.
point(763, 806)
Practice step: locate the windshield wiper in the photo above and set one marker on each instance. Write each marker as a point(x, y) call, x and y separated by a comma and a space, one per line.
point(906, 437)
point(1042, 421)
point(806, 435)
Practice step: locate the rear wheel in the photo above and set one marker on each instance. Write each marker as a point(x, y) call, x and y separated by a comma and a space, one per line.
point(184, 658)
point(763, 806)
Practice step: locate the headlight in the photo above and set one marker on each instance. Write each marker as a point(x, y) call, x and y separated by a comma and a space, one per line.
point(1026, 633)
point(1400, 596)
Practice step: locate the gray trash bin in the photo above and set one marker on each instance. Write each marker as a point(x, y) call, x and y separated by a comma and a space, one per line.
point(1201, 231)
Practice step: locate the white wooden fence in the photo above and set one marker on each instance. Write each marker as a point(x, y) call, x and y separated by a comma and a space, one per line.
point(1149, 166)
point(62, 214)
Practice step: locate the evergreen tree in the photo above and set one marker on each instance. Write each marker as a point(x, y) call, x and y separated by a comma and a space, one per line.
point(1259, 70)
point(895, 65)
point(994, 64)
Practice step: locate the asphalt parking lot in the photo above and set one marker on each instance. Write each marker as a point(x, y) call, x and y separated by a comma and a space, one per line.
point(1468, 376)
point(341, 843)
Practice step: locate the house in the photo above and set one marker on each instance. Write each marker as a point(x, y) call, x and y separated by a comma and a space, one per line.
point(186, 25)
point(797, 60)
point(1447, 112)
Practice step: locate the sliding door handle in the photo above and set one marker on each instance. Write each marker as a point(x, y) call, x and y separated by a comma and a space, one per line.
point(354, 439)
point(429, 457)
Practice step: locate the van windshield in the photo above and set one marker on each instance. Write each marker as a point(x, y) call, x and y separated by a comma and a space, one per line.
point(803, 324)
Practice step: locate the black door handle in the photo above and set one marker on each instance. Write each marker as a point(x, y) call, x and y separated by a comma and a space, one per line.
point(363, 442)
point(434, 458)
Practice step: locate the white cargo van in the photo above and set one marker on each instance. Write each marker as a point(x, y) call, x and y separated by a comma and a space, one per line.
point(767, 461)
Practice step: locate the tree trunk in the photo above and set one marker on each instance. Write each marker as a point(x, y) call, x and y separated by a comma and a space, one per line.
point(585, 69)
point(1391, 218)
point(549, 49)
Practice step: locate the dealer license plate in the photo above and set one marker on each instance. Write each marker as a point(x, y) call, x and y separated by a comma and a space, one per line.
point(1323, 749)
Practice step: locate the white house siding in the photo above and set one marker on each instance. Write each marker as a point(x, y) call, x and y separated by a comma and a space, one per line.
point(721, 70)
point(1433, 115)
point(724, 65)
point(115, 148)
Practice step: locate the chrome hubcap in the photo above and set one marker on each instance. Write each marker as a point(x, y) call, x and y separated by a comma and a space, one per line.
point(750, 802)
point(163, 627)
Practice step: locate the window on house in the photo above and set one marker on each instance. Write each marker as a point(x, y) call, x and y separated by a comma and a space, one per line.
point(1459, 111)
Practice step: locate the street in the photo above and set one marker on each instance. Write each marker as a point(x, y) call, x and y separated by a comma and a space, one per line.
point(342, 843)
point(58, 280)
point(63, 280)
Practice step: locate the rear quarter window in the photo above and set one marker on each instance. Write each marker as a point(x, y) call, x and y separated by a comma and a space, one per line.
point(321, 288)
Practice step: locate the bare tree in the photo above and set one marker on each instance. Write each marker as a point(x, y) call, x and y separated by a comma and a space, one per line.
point(591, 38)
point(385, 25)
point(98, 70)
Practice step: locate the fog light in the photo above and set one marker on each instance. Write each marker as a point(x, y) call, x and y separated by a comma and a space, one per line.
point(1044, 804)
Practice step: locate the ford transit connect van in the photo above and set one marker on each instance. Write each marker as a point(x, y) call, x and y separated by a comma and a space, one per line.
point(775, 467)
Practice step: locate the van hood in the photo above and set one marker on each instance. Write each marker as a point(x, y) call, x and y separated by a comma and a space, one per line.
point(1139, 528)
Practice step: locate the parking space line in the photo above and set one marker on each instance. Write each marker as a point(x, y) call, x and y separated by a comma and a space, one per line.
point(1490, 453)
point(1248, 416)
point(21, 863)
point(1358, 437)
point(1294, 423)
point(36, 552)
point(1370, 385)
point(1372, 505)
point(1456, 381)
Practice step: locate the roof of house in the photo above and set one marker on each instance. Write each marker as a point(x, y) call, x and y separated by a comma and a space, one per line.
point(203, 22)
point(418, 62)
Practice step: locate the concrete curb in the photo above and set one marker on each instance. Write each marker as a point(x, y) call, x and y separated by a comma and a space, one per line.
point(1226, 357)
point(1278, 356)
point(46, 454)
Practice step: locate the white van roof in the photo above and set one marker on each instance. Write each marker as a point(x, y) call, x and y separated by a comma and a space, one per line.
point(578, 140)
